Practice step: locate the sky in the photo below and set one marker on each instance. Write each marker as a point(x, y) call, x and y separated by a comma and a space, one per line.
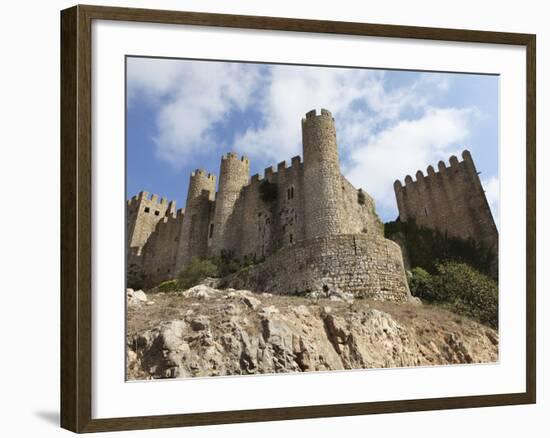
point(184, 114)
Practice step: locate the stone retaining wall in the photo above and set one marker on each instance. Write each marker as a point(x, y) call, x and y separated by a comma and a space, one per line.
point(365, 265)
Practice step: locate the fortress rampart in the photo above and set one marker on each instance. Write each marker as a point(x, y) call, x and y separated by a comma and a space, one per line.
point(310, 227)
point(451, 200)
point(366, 265)
point(298, 209)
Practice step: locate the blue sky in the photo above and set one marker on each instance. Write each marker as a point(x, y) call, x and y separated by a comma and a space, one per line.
point(184, 114)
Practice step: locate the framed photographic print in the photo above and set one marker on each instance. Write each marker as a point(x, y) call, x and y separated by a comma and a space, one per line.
point(270, 218)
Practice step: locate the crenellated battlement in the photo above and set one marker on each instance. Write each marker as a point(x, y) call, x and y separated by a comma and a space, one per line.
point(312, 115)
point(255, 178)
point(151, 200)
point(234, 156)
point(202, 173)
point(443, 170)
point(451, 200)
point(199, 181)
point(171, 208)
point(268, 173)
point(308, 198)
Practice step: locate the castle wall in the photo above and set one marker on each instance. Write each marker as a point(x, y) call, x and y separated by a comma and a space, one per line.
point(365, 265)
point(451, 200)
point(143, 213)
point(160, 251)
point(289, 215)
point(257, 222)
point(358, 218)
point(313, 201)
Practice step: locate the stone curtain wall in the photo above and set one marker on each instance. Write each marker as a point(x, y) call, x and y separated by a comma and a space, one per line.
point(143, 213)
point(267, 226)
point(359, 218)
point(450, 200)
point(159, 253)
point(367, 266)
point(313, 200)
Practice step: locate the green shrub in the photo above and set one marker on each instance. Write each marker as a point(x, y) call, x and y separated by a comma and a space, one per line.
point(226, 263)
point(196, 271)
point(168, 286)
point(420, 284)
point(460, 288)
point(467, 292)
point(427, 247)
point(220, 266)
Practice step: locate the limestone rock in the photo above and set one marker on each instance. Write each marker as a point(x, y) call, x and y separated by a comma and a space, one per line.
point(200, 291)
point(135, 298)
point(251, 302)
point(213, 337)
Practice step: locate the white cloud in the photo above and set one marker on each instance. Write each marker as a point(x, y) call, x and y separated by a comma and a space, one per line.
point(492, 192)
point(357, 98)
point(151, 76)
point(405, 148)
point(190, 99)
point(384, 133)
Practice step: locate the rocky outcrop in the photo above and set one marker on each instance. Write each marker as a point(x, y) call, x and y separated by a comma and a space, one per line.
point(227, 332)
point(135, 298)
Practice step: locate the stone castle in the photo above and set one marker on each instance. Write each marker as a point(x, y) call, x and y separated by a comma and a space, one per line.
point(312, 230)
point(451, 200)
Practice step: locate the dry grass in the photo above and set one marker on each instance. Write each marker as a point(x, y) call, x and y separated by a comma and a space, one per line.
point(169, 306)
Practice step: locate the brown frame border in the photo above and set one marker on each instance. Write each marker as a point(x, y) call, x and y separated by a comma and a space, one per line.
point(76, 173)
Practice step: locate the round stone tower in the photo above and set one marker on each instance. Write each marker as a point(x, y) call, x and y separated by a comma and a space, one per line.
point(234, 175)
point(199, 181)
point(193, 236)
point(323, 200)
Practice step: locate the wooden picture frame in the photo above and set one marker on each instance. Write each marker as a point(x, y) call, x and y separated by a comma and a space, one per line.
point(76, 218)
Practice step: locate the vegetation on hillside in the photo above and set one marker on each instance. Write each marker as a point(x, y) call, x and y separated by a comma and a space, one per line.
point(460, 288)
point(200, 268)
point(449, 271)
point(427, 248)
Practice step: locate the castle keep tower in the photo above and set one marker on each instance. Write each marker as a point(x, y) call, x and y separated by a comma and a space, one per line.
point(199, 181)
point(306, 226)
point(451, 200)
point(194, 229)
point(234, 175)
point(323, 191)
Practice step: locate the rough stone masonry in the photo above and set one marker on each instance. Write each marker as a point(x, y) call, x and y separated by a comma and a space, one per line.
point(312, 229)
